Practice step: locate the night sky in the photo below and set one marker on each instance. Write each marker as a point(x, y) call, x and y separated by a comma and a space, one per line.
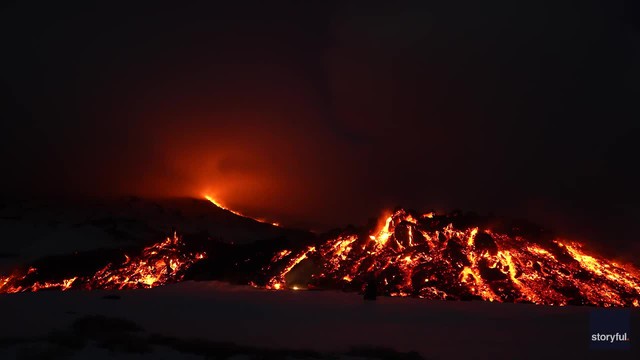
point(326, 113)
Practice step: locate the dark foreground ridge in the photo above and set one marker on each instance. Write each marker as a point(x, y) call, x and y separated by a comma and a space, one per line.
point(120, 336)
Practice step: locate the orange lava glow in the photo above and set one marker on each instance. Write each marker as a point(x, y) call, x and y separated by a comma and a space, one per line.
point(158, 264)
point(407, 254)
point(413, 256)
point(218, 204)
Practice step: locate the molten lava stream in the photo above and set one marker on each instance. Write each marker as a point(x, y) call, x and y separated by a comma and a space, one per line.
point(425, 255)
point(158, 264)
point(218, 204)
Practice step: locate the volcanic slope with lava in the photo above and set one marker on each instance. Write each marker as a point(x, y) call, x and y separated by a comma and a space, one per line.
point(449, 256)
point(462, 257)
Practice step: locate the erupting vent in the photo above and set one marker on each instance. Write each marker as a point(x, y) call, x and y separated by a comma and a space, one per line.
point(426, 256)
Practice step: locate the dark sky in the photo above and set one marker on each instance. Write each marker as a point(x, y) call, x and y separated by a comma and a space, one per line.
point(328, 112)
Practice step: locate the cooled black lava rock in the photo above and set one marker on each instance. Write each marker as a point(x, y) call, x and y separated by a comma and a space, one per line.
point(484, 241)
point(454, 251)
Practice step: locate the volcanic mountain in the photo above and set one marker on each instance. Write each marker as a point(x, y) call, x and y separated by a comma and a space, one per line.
point(452, 256)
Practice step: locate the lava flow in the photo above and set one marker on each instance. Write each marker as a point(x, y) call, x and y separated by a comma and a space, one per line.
point(158, 264)
point(450, 257)
point(428, 257)
point(218, 204)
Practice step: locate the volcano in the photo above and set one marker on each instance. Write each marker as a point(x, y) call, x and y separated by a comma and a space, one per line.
point(455, 256)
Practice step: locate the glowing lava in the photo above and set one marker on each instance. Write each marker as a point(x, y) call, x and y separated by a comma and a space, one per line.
point(430, 256)
point(218, 204)
point(158, 264)
point(426, 256)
